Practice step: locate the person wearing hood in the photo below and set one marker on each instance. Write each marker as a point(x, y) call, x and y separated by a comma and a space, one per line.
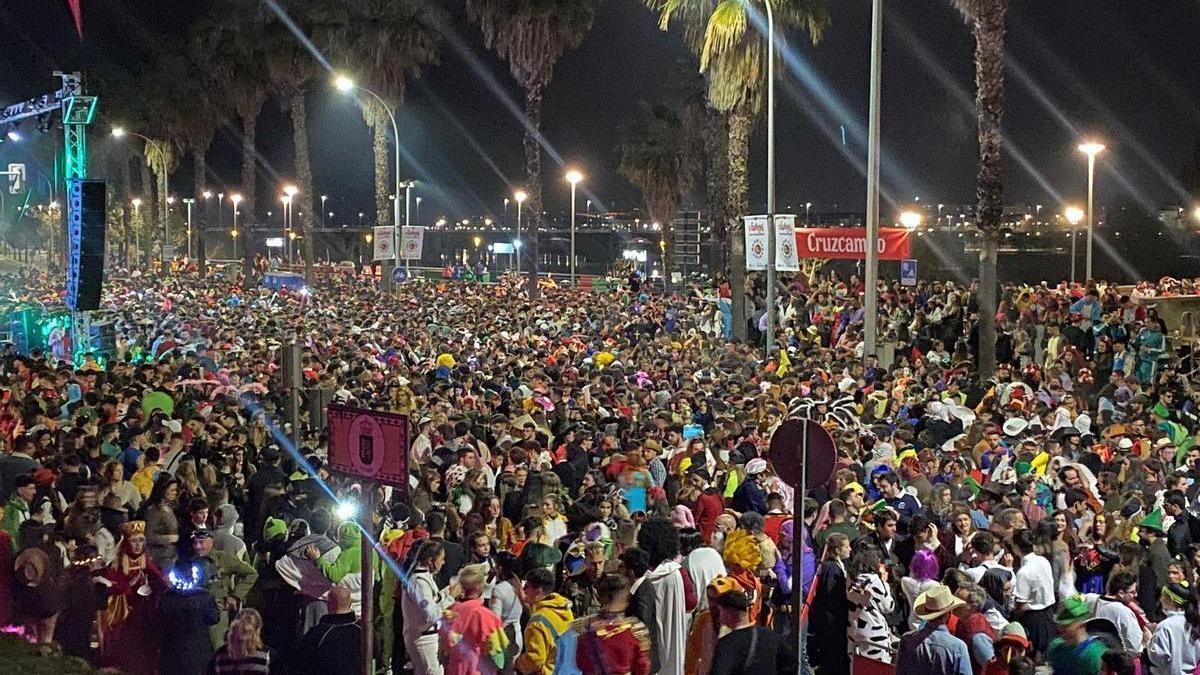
point(550, 617)
point(345, 570)
point(663, 596)
point(223, 536)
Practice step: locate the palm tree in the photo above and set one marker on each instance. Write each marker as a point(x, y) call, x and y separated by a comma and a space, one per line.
point(384, 43)
point(658, 156)
point(290, 67)
point(988, 20)
point(531, 35)
point(232, 37)
point(204, 114)
point(733, 57)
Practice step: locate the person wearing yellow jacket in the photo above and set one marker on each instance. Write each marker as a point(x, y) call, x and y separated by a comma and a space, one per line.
point(550, 616)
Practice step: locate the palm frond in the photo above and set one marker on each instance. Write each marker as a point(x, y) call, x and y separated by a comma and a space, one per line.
point(726, 28)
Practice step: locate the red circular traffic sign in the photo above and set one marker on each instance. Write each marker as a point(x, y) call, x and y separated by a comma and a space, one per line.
point(787, 453)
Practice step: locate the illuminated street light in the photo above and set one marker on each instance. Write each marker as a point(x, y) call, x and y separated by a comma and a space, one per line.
point(1091, 149)
point(346, 85)
point(574, 178)
point(910, 219)
point(520, 196)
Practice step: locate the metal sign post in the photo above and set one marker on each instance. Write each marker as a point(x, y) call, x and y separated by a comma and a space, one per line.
point(366, 553)
point(798, 551)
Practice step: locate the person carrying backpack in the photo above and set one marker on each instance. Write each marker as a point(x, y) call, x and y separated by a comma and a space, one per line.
point(550, 618)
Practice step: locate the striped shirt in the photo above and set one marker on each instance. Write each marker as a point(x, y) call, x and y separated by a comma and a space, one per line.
point(226, 664)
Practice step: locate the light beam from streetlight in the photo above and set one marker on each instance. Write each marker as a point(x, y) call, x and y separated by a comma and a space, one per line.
point(343, 83)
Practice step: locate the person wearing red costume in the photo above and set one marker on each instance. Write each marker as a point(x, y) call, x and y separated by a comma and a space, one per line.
point(128, 636)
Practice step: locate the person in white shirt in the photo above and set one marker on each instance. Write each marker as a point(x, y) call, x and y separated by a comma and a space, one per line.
point(1033, 593)
point(1114, 606)
point(985, 553)
point(422, 448)
point(1175, 646)
point(422, 608)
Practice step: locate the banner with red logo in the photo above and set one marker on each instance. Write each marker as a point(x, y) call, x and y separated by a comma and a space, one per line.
point(849, 243)
point(756, 242)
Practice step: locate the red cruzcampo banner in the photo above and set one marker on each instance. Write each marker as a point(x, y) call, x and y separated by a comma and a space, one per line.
point(849, 243)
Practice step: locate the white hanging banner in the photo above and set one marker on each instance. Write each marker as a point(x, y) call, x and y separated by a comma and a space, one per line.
point(786, 258)
point(385, 243)
point(412, 241)
point(756, 242)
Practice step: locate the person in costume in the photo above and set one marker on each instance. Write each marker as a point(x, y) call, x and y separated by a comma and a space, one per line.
point(473, 639)
point(129, 635)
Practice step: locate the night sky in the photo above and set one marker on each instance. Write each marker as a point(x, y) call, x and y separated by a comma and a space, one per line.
point(1123, 70)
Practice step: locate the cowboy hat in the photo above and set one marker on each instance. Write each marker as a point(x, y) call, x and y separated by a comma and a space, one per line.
point(935, 601)
point(1015, 426)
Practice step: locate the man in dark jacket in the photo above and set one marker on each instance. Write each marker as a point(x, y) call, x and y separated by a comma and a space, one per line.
point(333, 646)
point(1179, 536)
point(456, 556)
point(268, 474)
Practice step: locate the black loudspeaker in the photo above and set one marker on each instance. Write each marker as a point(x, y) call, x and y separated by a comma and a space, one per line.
point(25, 329)
point(86, 206)
point(104, 339)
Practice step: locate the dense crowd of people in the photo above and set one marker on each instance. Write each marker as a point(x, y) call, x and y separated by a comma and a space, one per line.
point(589, 489)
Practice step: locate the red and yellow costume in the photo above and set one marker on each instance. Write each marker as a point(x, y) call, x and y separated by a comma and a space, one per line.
point(128, 636)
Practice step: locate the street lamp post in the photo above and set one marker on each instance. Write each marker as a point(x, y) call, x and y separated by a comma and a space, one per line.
point(323, 198)
point(347, 85)
point(1074, 214)
point(160, 168)
point(520, 196)
point(573, 177)
point(233, 233)
point(417, 214)
point(1091, 149)
point(137, 235)
point(408, 185)
point(871, 273)
point(289, 192)
point(189, 201)
point(770, 178)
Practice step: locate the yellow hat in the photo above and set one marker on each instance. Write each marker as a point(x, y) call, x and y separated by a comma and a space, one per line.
point(856, 487)
point(723, 585)
point(445, 360)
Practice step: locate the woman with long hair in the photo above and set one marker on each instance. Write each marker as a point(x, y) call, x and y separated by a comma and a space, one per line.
point(112, 476)
point(1058, 536)
point(1096, 556)
point(506, 603)
point(162, 525)
point(244, 652)
point(190, 487)
point(830, 613)
point(1175, 646)
point(428, 491)
point(871, 600)
point(499, 528)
